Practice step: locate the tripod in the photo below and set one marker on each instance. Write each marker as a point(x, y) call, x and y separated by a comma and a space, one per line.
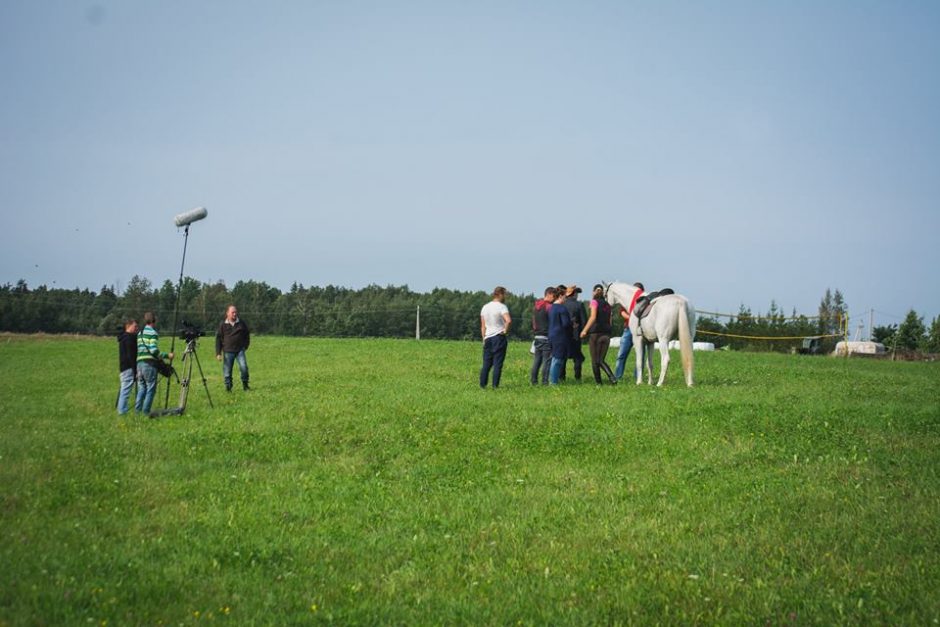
point(184, 220)
point(176, 311)
point(186, 367)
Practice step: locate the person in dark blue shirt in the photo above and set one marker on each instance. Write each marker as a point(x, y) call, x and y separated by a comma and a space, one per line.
point(559, 334)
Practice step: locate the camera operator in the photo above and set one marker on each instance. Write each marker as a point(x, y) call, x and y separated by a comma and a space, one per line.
point(147, 354)
point(231, 342)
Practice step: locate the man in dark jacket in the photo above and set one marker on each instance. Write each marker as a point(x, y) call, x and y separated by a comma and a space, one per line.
point(576, 310)
point(231, 342)
point(127, 359)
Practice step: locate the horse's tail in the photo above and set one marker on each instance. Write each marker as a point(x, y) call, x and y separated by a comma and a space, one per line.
point(685, 341)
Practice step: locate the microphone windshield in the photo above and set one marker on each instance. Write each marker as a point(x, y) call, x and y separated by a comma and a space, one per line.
point(193, 215)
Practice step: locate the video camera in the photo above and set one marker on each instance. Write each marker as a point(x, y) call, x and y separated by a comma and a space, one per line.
point(189, 331)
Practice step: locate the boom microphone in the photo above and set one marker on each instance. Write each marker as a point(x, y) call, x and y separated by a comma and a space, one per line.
point(193, 215)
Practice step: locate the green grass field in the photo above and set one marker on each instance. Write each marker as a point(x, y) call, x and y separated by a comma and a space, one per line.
point(372, 481)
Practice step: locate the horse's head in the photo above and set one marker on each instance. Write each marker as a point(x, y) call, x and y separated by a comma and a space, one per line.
point(619, 293)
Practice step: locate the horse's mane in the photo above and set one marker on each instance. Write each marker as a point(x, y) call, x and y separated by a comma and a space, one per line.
point(614, 289)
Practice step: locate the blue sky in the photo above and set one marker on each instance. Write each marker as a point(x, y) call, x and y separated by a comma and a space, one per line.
point(739, 152)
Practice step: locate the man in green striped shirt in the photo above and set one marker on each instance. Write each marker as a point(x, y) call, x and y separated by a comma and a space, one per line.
point(148, 352)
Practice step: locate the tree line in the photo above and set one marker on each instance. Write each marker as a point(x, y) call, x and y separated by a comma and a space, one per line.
point(390, 311)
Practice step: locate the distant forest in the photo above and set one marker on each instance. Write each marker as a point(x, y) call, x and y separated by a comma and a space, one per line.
point(372, 311)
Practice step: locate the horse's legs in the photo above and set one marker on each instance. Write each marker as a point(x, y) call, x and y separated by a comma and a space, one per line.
point(649, 363)
point(640, 345)
point(663, 360)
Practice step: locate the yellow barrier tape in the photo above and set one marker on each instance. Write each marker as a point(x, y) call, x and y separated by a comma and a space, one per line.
point(763, 337)
point(755, 317)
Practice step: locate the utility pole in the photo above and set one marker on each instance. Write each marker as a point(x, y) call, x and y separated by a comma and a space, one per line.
point(871, 323)
point(418, 324)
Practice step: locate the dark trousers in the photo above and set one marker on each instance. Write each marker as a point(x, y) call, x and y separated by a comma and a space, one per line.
point(574, 353)
point(542, 360)
point(599, 343)
point(494, 353)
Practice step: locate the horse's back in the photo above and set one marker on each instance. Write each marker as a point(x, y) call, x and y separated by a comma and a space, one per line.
point(664, 316)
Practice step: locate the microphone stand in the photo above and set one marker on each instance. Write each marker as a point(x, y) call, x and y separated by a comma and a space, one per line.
point(176, 311)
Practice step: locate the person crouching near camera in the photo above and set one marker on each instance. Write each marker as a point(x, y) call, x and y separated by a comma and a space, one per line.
point(231, 342)
point(148, 352)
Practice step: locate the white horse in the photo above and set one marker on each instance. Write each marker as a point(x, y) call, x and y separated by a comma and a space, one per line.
point(669, 316)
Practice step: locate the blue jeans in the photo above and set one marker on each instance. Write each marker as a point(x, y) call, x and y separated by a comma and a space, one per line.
point(541, 361)
point(228, 360)
point(494, 353)
point(626, 343)
point(124, 396)
point(555, 372)
point(146, 386)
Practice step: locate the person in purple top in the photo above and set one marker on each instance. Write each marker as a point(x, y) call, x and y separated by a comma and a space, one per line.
point(559, 334)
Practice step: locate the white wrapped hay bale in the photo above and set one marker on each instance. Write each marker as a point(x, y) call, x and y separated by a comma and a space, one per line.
point(859, 348)
point(696, 346)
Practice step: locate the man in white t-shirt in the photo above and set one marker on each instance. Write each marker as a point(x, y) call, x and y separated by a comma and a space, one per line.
point(494, 329)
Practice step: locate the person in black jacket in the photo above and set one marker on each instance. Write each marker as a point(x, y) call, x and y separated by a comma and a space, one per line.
point(127, 359)
point(597, 330)
point(231, 342)
point(576, 310)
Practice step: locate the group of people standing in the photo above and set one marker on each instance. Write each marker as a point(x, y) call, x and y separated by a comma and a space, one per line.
point(559, 326)
point(140, 358)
